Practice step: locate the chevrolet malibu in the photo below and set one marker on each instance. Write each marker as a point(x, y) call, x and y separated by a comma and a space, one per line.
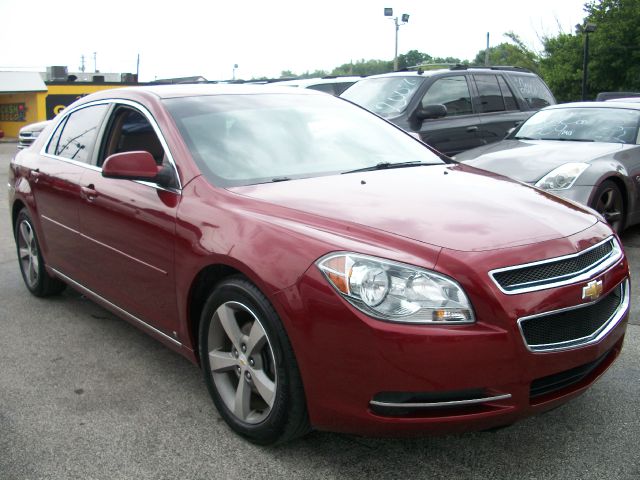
point(322, 267)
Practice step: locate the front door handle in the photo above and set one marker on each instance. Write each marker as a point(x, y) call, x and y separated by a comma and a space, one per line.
point(89, 192)
point(35, 174)
point(472, 129)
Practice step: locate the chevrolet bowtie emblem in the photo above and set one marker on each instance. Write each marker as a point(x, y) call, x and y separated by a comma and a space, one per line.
point(593, 290)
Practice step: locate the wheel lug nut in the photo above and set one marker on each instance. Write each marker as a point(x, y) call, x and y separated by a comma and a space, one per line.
point(244, 348)
point(252, 362)
point(235, 353)
point(239, 370)
point(247, 375)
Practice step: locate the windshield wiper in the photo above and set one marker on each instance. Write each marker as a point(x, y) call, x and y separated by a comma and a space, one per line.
point(389, 165)
point(280, 179)
point(571, 139)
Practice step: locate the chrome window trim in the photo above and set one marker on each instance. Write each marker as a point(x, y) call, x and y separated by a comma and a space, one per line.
point(118, 101)
point(453, 403)
point(113, 306)
point(614, 256)
point(595, 337)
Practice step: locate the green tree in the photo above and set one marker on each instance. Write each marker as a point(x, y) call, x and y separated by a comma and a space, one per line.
point(561, 66)
point(514, 53)
point(614, 52)
point(364, 67)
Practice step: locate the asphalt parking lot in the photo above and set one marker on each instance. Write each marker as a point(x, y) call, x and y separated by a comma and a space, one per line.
point(85, 395)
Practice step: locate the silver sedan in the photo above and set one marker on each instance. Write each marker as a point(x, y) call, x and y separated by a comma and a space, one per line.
point(587, 152)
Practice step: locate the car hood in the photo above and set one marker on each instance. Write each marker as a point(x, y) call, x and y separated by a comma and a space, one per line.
point(529, 160)
point(452, 206)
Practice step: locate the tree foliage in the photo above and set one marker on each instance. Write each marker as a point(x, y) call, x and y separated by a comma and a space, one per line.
point(515, 54)
point(614, 52)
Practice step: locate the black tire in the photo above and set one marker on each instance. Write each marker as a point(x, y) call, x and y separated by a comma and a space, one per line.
point(609, 202)
point(30, 260)
point(275, 407)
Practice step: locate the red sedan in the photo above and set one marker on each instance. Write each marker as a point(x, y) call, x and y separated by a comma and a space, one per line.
point(325, 269)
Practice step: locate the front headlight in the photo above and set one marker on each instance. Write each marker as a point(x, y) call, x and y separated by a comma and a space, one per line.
point(562, 177)
point(397, 292)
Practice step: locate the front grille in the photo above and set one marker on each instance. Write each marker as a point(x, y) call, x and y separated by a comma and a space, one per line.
point(550, 273)
point(576, 326)
point(559, 381)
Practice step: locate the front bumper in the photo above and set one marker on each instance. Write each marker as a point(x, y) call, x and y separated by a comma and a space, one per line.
point(379, 378)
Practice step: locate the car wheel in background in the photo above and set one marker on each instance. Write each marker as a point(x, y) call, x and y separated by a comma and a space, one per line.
point(34, 274)
point(249, 366)
point(609, 203)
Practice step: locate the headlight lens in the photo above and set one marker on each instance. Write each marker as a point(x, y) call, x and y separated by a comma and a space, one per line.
point(562, 177)
point(397, 292)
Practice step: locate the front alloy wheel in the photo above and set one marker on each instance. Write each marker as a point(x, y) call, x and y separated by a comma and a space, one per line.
point(249, 366)
point(242, 362)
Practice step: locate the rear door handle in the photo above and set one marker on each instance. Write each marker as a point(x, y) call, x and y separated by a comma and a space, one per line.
point(472, 129)
point(35, 174)
point(89, 192)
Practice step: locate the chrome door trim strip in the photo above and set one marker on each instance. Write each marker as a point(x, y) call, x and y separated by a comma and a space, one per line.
point(113, 306)
point(614, 256)
point(595, 337)
point(453, 403)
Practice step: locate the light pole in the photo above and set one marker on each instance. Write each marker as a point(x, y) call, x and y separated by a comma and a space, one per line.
point(388, 12)
point(235, 66)
point(586, 29)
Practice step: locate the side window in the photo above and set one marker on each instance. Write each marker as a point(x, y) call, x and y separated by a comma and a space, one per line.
point(509, 100)
point(452, 92)
point(534, 91)
point(128, 131)
point(75, 138)
point(489, 92)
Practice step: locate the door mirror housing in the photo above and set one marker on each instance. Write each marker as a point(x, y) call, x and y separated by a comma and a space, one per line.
point(429, 112)
point(137, 165)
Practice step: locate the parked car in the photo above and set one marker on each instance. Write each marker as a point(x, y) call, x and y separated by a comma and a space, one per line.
point(587, 152)
point(454, 109)
point(29, 133)
point(333, 85)
point(324, 269)
point(606, 96)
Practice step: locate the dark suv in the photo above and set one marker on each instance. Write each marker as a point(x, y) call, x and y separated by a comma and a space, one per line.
point(454, 109)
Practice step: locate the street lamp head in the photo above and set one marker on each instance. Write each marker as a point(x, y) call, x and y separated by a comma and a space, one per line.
point(405, 17)
point(388, 12)
point(590, 27)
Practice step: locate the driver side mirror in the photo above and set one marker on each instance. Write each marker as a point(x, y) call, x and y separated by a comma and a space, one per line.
point(137, 165)
point(429, 112)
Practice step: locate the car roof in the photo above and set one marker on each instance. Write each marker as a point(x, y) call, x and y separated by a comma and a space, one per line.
point(305, 82)
point(634, 105)
point(195, 90)
point(453, 70)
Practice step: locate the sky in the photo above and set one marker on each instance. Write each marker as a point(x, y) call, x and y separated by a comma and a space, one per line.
point(207, 37)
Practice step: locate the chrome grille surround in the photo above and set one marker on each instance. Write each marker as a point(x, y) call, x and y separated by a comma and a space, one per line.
point(609, 248)
point(602, 330)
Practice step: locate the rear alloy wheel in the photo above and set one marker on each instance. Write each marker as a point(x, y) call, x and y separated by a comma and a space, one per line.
point(34, 274)
point(249, 366)
point(609, 203)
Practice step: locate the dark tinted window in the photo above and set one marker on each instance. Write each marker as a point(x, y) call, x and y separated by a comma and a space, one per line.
point(509, 100)
point(76, 138)
point(490, 94)
point(452, 92)
point(323, 87)
point(534, 91)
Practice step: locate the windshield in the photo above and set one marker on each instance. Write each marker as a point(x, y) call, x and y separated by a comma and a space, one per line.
point(247, 139)
point(583, 124)
point(388, 96)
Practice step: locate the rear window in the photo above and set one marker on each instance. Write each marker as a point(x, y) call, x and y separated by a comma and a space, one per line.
point(534, 91)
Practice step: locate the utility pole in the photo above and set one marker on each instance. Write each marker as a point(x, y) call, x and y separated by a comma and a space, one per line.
point(138, 69)
point(486, 52)
point(95, 62)
point(82, 63)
